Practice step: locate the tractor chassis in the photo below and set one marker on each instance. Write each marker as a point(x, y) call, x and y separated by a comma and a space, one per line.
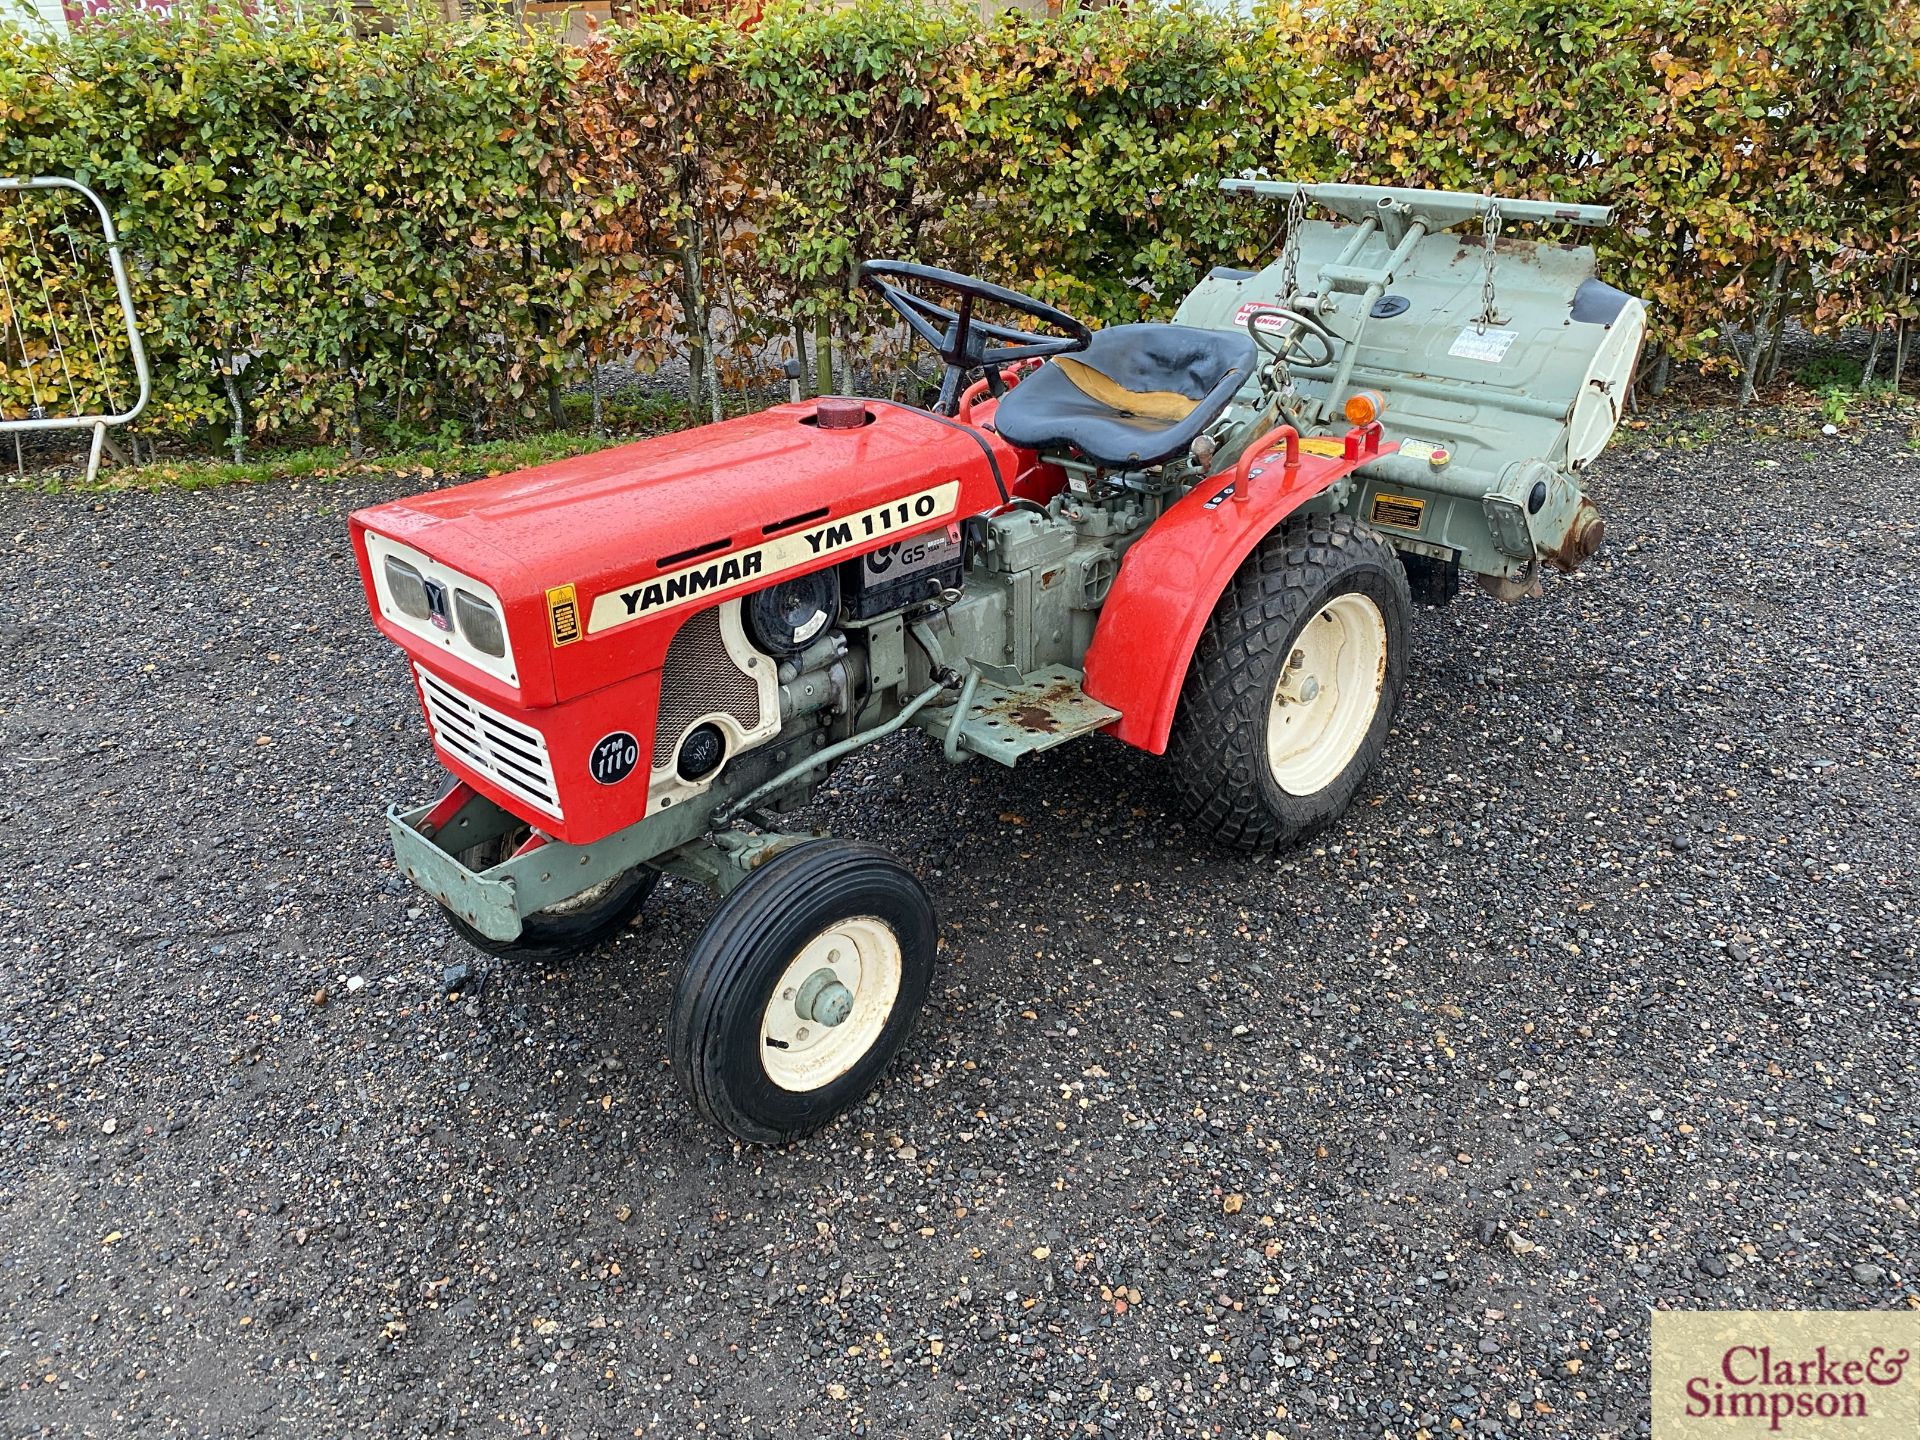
point(429, 841)
point(495, 901)
point(997, 713)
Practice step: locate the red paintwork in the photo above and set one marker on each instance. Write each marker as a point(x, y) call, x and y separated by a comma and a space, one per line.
point(1169, 581)
point(602, 523)
point(1037, 480)
point(976, 393)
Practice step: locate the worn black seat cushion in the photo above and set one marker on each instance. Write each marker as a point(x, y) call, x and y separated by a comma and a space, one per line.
point(1048, 411)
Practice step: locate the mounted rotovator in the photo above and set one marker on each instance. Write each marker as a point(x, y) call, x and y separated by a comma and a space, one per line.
point(1194, 538)
point(1504, 365)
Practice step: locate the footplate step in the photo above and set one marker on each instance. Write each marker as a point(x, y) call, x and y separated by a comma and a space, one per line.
point(1007, 721)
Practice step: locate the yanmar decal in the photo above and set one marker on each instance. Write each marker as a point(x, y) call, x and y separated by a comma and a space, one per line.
point(742, 569)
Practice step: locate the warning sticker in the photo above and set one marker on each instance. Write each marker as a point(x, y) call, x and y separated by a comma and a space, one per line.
point(1324, 445)
point(1489, 345)
point(1430, 451)
point(563, 613)
point(1401, 511)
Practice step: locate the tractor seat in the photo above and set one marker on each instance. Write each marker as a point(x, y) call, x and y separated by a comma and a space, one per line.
point(1137, 395)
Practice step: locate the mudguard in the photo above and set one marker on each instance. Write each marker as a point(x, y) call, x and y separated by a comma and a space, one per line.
point(1170, 580)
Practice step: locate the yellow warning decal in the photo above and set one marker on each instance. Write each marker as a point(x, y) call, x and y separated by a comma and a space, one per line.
point(563, 613)
point(1403, 512)
point(1432, 452)
point(1324, 445)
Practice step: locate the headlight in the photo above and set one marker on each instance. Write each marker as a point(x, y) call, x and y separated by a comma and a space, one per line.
point(479, 622)
point(460, 615)
point(408, 589)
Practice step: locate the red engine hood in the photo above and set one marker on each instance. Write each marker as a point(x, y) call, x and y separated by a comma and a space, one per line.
point(760, 490)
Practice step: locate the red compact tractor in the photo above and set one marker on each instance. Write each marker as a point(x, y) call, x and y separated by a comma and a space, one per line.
point(1201, 538)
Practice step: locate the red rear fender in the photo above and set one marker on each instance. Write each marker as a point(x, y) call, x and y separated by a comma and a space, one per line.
point(1169, 582)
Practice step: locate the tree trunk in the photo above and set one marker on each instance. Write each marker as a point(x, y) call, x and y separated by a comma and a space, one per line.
point(822, 356)
point(599, 409)
point(356, 439)
point(237, 436)
point(843, 359)
point(693, 303)
point(800, 354)
point(1900, 329)
point(715, 279)
point(1879, 333)
point(1662, 373)
point(1772, 367)
point(847, 352)
point(1762, 330)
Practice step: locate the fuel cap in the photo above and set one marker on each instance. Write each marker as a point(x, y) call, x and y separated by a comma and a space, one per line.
point(839, 413)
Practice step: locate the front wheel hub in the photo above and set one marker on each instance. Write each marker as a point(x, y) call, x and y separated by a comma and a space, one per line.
point(830, 1005)
point(823, 999)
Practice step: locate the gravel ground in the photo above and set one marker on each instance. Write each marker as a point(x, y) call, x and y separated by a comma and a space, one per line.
point(1603, 999)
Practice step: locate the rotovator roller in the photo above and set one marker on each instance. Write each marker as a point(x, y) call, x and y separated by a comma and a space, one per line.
point(1202, 538)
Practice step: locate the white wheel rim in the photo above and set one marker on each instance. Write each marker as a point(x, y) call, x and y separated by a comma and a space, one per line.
point(1327, 694)
point(798, 1051)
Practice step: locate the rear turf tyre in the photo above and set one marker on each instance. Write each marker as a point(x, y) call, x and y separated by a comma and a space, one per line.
point(801, 989)
point(1293, 685)
point(586, 922)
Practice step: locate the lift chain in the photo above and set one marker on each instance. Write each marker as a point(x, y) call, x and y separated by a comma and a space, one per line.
point(1490, 238)
point(1290, 254)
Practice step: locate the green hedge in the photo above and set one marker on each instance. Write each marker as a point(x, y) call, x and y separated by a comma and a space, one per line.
point(443, 224)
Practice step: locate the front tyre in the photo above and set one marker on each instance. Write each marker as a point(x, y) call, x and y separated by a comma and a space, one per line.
point(801, 988)
point(1293, 685)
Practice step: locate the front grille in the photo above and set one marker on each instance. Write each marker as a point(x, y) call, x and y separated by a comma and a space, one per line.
point(701, 678)
point(512, 755)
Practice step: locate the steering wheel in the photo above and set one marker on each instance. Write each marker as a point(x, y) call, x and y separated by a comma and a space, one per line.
point(1303, 340)
point(963, 343)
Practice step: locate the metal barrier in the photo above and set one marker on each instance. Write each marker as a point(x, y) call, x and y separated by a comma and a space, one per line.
point(46, 348)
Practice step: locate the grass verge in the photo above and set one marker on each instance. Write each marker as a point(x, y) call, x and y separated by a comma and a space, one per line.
point(326, 462)
point(394, 450)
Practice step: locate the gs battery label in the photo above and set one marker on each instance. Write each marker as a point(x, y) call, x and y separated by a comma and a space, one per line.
point(909, 557)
